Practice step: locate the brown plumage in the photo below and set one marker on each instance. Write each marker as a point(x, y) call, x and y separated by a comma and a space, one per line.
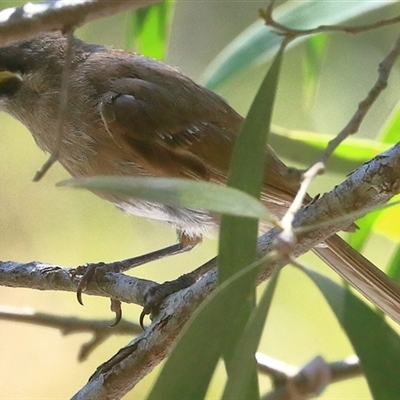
point(134, 116)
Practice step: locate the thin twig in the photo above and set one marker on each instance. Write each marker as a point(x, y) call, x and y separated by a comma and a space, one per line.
point(291, 382)
point(298, 202)
point(384, 70)
point(68, 325)
point(286, 241)
point(294, 33)
point(385, 67)
point(62, 110)
point(41, 276)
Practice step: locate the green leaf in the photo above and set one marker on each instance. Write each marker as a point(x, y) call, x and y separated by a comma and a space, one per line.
point(312, 63)
point(365, 225)
point(246, 176)
point(238, 236)
point(303, 147)
point(394, 266)
point(376, 344)
point(257, 44)
point(243, 358)
point(147, 29)
point(177, 192)
point(390, 132)
point(188, 370)
point(227, 310)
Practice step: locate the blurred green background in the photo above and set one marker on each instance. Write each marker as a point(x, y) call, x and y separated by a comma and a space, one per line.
point(68, 227)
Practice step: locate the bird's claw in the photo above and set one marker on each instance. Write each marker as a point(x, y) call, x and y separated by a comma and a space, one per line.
point(116, 308)
point(88, 271)
point(156, 294)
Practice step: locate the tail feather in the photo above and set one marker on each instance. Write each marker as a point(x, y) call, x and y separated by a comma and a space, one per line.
point(364, 276)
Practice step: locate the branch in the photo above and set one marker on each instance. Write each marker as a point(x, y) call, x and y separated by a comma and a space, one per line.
point(385, 67)
point(68, 325)
point(20, 23)
point(41, 276)
point(374, 183)
point(293, 383)
point(267, 16)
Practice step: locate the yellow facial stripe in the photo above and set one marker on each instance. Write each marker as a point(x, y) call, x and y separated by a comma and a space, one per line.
point(6, 75)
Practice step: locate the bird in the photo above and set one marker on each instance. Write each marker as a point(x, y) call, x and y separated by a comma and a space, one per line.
point(130, 115)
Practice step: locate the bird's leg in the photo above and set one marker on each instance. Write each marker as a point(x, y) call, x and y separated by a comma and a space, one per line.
point(88, 271)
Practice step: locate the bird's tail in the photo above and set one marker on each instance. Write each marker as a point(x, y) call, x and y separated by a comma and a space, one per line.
point(364, 276)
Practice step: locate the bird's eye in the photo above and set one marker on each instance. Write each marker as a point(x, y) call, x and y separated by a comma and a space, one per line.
point(10, 83)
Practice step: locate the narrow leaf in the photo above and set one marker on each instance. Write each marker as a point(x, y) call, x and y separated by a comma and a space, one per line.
point(147, 29)
point(244, 356)
point(177, 192)
point(248, 176)
point(188, 370)
point(257, 44)
point(226, 312)
point(303, 146)
point(238, 236)
point(312, 64)
point(376, 344)
point(394, 266)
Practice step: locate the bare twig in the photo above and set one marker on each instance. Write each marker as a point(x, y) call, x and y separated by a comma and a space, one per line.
point(67, 325)
point(24, 22)
point(62, 110)
point(299, 383)
point(298, 202)
point(294, 33)
point(385, 66)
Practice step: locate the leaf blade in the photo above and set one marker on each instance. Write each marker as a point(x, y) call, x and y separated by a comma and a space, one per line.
point(376, 344)
point(148, 27)
point(257, 43)
point(177, 193)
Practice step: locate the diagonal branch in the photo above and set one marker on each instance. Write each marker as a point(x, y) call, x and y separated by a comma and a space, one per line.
point(385, 67)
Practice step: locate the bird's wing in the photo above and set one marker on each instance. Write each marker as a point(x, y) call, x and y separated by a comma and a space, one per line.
point(178, 130)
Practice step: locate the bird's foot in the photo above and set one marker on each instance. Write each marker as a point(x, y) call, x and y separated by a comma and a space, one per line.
point(157, 294)
point(88, 272)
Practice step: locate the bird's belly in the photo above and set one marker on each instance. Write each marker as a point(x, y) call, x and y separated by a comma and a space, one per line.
point(193, 223)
